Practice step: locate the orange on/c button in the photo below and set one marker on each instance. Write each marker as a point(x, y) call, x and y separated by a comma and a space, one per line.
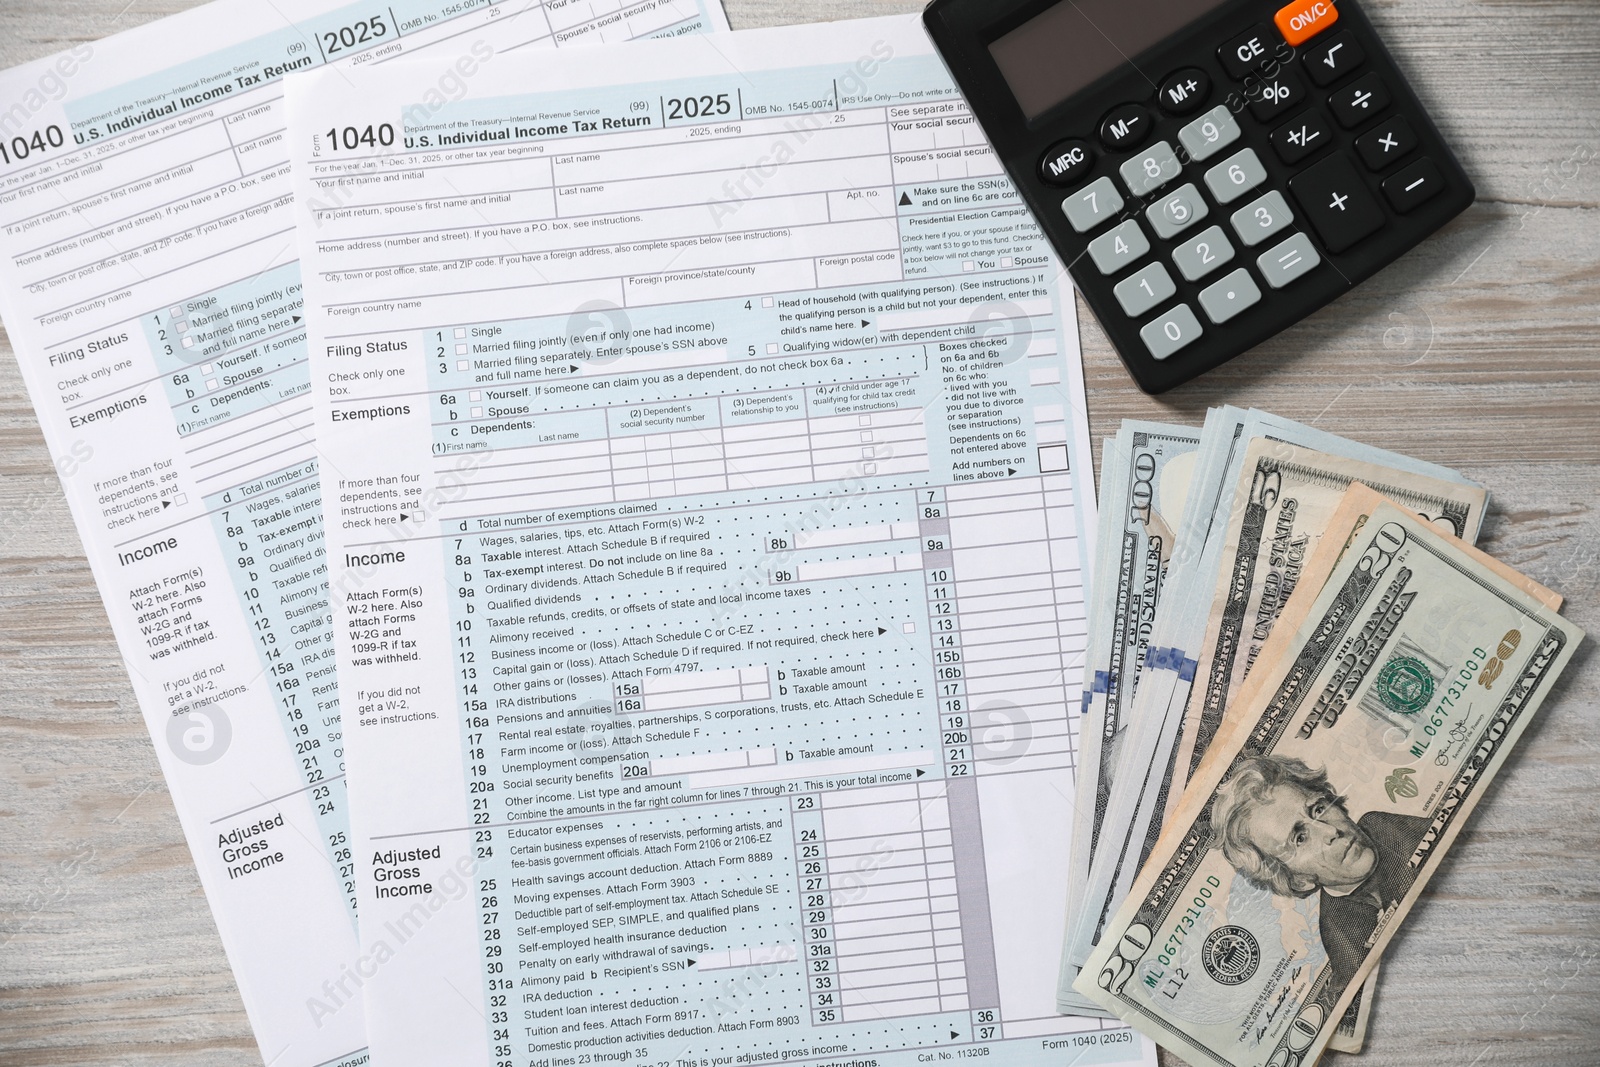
point(1304, 19)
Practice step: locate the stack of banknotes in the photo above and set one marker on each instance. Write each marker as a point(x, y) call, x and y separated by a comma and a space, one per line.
point(1300, 679)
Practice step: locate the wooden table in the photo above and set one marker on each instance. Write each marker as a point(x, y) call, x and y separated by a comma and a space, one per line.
point(1480, 350)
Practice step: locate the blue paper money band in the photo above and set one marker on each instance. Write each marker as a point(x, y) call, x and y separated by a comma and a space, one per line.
point(1101, 684)
point(1171, 659)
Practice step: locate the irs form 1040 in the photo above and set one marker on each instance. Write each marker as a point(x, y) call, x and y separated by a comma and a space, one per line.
point(706, 556)
point(151, 291)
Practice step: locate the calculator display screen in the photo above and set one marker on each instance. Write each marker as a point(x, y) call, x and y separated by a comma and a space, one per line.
point(1054, 54)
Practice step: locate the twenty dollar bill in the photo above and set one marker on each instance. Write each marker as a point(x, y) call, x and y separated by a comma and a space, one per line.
point(1284, 498)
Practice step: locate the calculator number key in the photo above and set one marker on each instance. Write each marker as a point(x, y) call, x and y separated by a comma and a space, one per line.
point(1151, 170)
point(1288, 261)
point(1387, 144)
point(1262, 218)
point(1095, 203)
point(1302, 135)
point(1338, 203)
point(1363, 99)
point(1177, 212)
point(1201, 255)
point(1175, 330)
point(1119, 248)
point(1271, 97)
point(1209, 134)
point(1334, 58)
point(1233, 294)
point(1144, 290)
point(1235, 176)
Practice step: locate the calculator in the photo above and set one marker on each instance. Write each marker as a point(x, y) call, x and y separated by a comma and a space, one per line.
point(1210, 172)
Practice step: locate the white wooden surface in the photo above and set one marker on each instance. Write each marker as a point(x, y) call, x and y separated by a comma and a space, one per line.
point(1480, 350)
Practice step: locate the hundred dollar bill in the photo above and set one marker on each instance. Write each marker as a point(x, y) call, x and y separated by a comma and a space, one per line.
point(1398, 678)
point(1287, 494)
point(1150, 752)
point(1144, 482)
point(1135, 778)
point(1097, 613)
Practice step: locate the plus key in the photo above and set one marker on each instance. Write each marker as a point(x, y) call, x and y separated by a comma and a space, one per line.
point(1334, 197)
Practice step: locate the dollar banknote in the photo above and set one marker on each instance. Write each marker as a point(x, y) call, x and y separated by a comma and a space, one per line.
point(1085, 826)
point(1150, 752)
point(1144, 481)
point(1398, 677)
point(1218, 438)
point(1286, 496)
point(1350, 1036)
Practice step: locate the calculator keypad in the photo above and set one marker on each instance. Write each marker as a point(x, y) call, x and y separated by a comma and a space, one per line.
point(1264, 217)
point(1121, 247)
point(1299, 108)
point(1184, 91)
point(1095, 203)
point(1365, 98)
point(1304, 135)
point(1277, 96)
point(1232, 295)
point(1337, 202)
point(1171, 332)
point(1334, 58)
point(1288, 261)
point(1125, 128)
point(1301, 20)
point(1245, 53)
point(1176, 212)
point(1151, 169)
point(1066, 163)
point(1235, 176)
point(1389, 143)
point(1209, 134)
point(1414, 186)
point(1203, 254)
point(1144, 290)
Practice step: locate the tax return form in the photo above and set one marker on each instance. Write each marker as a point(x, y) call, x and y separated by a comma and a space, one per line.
point(149, 285)
point(706, 546)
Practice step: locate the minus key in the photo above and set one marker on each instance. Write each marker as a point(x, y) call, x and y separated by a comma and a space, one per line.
point(1413, 186)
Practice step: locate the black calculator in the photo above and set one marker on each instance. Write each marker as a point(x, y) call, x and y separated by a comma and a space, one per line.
point(1210, 172)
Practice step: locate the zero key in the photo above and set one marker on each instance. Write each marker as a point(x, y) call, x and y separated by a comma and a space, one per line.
point(1337, 202)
